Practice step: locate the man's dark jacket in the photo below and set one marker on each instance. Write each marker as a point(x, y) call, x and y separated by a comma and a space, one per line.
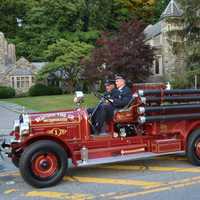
point(113, 94)
point(123, 97)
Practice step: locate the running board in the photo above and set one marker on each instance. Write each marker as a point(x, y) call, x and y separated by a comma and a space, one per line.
point(122, 158)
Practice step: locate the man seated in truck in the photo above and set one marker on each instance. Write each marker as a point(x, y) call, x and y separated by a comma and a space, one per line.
point(110, 92)
point(105, 111)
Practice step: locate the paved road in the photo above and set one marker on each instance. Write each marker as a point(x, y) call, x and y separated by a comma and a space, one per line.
point(6, 120)
point(169, 177)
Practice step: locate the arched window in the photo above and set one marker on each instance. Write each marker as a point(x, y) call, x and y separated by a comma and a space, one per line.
point(158, 65)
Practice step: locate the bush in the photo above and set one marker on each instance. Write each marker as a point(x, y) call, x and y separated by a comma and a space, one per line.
point(42, 90)
point(53, 90)
point(6, 92)
point(38, 90)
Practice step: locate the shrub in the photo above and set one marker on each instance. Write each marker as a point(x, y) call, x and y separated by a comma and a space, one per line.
point(38, 90)
point(6, 92)
point(53, 90)
point(42, 90)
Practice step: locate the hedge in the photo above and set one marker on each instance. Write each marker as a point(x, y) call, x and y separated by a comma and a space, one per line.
point(6, 92)
point(42, 90)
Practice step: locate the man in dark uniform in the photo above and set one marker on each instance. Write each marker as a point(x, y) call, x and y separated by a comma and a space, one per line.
point(111, 92)
point(106, 111)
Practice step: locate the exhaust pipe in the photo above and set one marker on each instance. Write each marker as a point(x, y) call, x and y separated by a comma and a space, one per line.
point(168, 92)
point(148, 119)
point(183, 107)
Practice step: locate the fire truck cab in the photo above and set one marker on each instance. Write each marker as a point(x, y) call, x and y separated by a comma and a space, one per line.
point(158, 121)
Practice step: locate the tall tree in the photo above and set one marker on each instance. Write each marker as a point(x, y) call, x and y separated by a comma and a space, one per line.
point(65, 62)
point(46, 21)
point(125, 53)
point(192, 32)
point(158, 8)
point(188, 42)
point(10, 10)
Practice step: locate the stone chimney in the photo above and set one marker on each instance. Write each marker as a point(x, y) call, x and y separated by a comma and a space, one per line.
point(11, 54)
point(7, 54)
point(2, 52)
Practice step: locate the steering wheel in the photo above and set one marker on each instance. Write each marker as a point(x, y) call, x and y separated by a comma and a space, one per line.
point(100, 102)
point(99, 96)
point(106, 98)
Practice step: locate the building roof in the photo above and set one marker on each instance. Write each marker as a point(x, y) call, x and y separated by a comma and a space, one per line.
point(23, 72)
point(23, 67)
point(39, 65)
point(172, 10)
point(152, 30)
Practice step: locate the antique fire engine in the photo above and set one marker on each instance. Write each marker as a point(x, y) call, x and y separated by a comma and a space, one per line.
point(157, 121)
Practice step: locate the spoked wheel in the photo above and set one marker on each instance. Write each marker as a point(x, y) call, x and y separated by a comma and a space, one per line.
point(43, 164)
point(193, 147)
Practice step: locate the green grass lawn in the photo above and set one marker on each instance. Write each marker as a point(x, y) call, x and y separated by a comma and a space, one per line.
point(50, 103)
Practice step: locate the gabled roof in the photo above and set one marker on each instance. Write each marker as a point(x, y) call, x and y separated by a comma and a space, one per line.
point(23, 67)
point(172, 10)
point(152, 30)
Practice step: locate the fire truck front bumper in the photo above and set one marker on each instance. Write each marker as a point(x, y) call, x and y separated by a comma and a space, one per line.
point(6, 144)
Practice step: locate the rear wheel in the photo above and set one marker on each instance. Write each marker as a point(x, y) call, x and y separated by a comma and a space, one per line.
point(43, 163)
point(193, 147)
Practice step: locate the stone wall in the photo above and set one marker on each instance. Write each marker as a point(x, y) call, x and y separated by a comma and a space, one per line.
point(7, 54)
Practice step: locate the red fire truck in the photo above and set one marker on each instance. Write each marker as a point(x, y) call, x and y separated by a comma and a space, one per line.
point(157, 121)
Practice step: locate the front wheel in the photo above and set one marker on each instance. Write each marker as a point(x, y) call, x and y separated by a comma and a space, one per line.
point(15, 161)
point(193, 147)
point(43, 164)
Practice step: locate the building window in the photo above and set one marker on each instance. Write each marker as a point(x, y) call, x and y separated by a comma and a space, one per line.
point(158, 66)
point(19, 82)
point(13, 82)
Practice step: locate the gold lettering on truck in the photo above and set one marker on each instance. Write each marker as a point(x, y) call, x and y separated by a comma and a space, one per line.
point(57, 132)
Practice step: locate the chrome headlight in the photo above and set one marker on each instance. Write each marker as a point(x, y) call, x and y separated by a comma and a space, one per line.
point(24, 129)
point(16, 125)
point(24, 126)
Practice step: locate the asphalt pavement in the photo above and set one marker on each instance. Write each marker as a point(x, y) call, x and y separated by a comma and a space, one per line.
point(163, 178)
point(7, 118)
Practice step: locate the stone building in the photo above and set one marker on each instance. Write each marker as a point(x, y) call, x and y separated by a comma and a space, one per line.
point(7, 54)
point(17, 74)
point(166, 61)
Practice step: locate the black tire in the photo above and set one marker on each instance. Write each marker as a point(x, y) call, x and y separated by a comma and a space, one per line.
point(44, 148)
point(193, 141)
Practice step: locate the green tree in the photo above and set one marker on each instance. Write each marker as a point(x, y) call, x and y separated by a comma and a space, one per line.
point(192, 32)
point(65, 62)
point(123, 53)
point(10, 10)
point(158, 8)
point(189, 41)
point(46, 21)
